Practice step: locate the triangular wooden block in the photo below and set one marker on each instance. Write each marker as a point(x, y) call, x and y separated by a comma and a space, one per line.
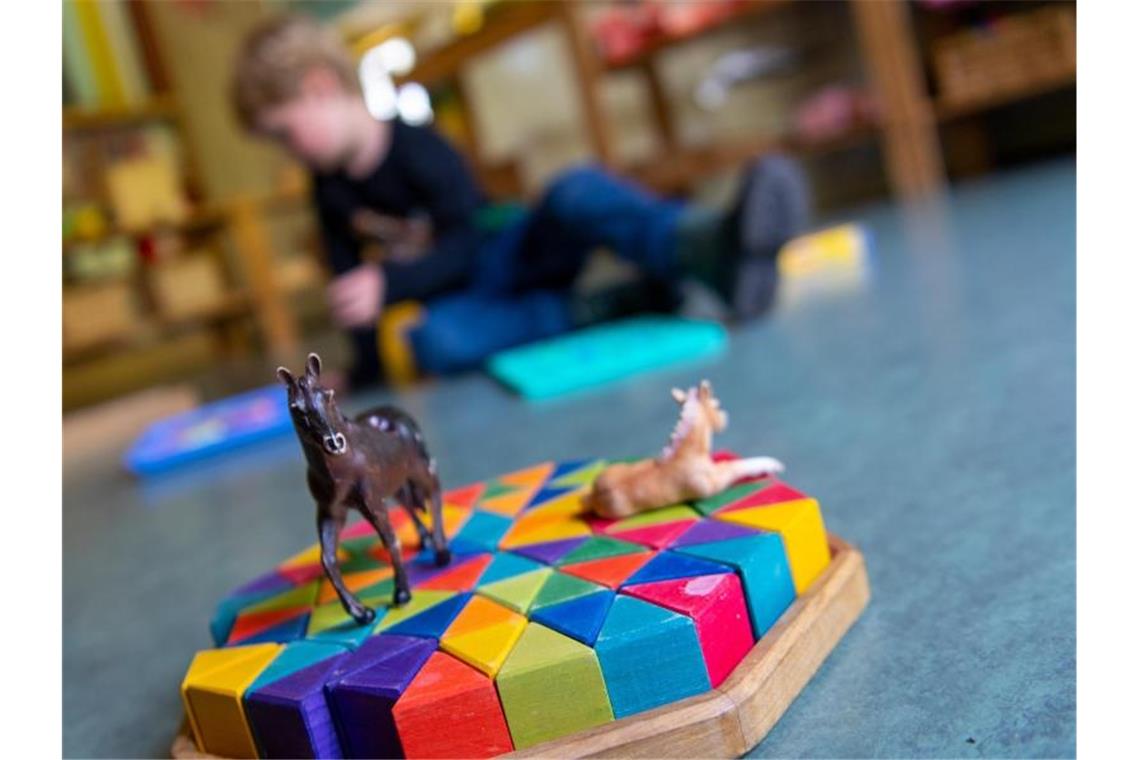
point(301, 574)
point(548, 552)
point(775, 493)
point(453, 519)
point(432, 622)
point(421, 600)
point(611, 571)
point(553, 530)
point(707, 531)
point(668, 565)
point(301, 596)
point(296, 656)
point(549, 494)
point(493, 488)
point(506, 565)
point(509, 504)
point(480, 612)
point(486, 648)
point(249, 624)
point(281, 632)
point(579, 618)
point(462, 577)
point(518, 592)
point(800, 525)
point(354, 582)
point(729, 495)
point(655, 517)
point(716, 605)
point(567, 503)
point(464, 497)
point(583, 476)
point(658, 536)
point(560, 587)
point(530, 478)
point(211, 694)
point(331, 615)
point(597, 547)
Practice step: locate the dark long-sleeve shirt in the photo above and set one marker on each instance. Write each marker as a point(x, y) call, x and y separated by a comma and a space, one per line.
point(421, 174)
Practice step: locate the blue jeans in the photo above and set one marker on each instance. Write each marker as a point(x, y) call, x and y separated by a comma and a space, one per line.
point(520, 289)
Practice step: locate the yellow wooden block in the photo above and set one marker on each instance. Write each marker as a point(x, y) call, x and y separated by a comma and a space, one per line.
point(486, 648)
point(453, 519)
point(552, 530)
point(212, 692)
point(509, 504)
point(800, 523)
point(569, 503)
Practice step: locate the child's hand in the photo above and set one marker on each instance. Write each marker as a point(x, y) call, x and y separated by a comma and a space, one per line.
point(357, 296)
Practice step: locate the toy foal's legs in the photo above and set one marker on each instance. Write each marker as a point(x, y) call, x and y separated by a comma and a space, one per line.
point(383, 526)
point(727, 473)
point(427, 483)
point(328, 529)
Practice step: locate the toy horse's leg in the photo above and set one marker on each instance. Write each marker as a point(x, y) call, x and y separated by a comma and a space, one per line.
point(413, 505)
point(329, 523)
point(383, 526)
point(426, 485)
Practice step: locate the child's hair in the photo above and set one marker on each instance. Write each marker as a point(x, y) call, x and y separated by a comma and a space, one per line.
point(276, 55)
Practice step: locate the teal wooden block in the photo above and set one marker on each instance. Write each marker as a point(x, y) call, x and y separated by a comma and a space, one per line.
point(650, 656)
point(763, 567)
point(507, 565)
point(296, 655)
point(484, 529)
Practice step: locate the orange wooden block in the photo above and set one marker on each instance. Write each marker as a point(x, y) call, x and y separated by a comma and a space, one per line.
point(530, 478)
point(610, 571)
point(479, 613)
point(509, 504)
point(354, 582)
point(451, 709)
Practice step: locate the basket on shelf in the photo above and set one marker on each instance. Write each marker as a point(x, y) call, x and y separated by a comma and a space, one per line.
point(1015, 53)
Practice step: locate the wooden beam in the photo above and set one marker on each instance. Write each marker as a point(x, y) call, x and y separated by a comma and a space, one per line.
point(910, 136)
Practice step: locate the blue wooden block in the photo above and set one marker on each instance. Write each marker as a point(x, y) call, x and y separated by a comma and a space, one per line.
point(484, 529)
point(361, 701)
point(580, 618)
point(667, 566)
point(507, 565)
point(763, 567)
point(650, 656)
point(286, 707)
point(432, 622)
point(551, 492)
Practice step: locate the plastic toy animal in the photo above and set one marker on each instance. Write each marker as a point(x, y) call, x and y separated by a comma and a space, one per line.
point(366, 464)
point(685, 469)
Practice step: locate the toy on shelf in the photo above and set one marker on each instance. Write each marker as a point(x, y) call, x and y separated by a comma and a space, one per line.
point(683, 632)
point(365, 464)
point(684, 471)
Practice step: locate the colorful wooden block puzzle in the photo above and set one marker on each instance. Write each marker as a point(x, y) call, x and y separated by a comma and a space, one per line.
point(547, 622)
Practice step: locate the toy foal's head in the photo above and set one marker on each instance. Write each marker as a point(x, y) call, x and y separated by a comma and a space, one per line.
point(701, 403)
point(313, 408)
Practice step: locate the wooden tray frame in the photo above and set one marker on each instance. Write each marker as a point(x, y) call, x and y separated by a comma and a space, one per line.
point(733, 718)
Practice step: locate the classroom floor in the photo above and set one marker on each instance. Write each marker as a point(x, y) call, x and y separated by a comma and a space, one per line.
point(931, 409)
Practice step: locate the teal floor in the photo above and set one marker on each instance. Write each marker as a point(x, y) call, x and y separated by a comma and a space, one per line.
point(931, 408)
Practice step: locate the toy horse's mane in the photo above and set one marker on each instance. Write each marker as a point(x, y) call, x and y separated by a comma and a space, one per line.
point(683, 427)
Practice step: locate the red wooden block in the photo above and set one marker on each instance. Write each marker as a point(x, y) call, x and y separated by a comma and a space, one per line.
point(716, 605)
point(460, 578)
point(464, 497)
point(657, 536)
point(610, 571)
point(451, 710)
point(776, 493)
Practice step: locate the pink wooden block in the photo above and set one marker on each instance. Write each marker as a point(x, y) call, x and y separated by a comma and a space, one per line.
point(716, 605)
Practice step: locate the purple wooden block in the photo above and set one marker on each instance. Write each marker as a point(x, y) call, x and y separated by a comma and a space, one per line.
point(707, 531)
point(290, 716)
point(362, 700)
point(551, 551)
point(271, 581)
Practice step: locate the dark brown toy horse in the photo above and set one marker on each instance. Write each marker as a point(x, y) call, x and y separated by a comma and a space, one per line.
point(367, 464)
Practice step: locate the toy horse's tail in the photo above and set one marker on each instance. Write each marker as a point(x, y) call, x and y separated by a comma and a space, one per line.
point(754, 467)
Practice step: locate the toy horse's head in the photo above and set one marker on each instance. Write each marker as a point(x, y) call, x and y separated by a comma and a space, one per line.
point(701, 403)
point(314, 411)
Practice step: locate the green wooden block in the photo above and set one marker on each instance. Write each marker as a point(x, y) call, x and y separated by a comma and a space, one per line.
point(519, 591)
point(551, 686)
point(736, 493)
point(599, 547)
point(301, 596)
point(581, 477)
point(655, 517)
point(560, 587)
